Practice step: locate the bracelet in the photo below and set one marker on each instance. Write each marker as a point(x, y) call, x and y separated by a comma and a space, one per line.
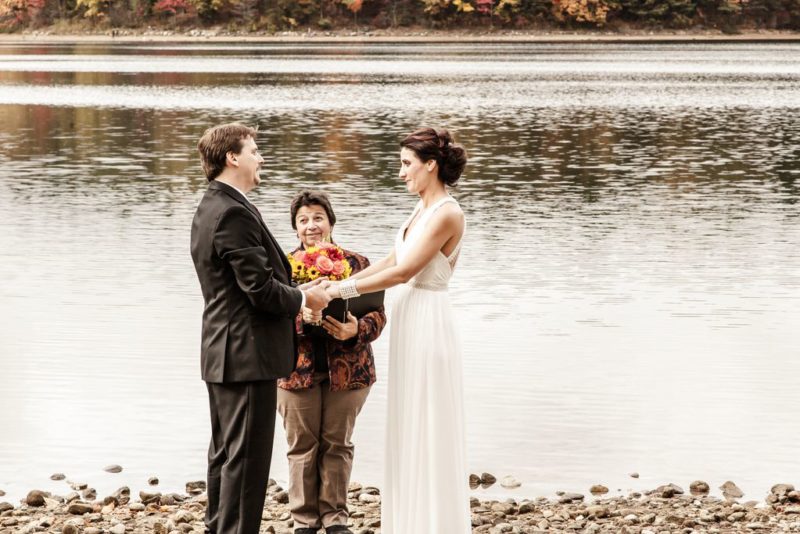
point(347, 289)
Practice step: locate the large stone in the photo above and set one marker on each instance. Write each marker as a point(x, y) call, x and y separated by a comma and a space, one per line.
point(504, 508)
point(2, 493)
point(597, 512)
point(122, 496)
point(474, 482)
point(119, 528)
point(570, 497)
point(114, 468)
point(183, 516)
point(698, 487)
point(79, 508)
point(510, 482)
point(35, 498)
point(153, 481)
point(731, 490)
point(198, 486)
point(598, 489)
point(89, 494)
point(148, 498)
point(781, 489)
point(488, 479)
point(282, 497)
point(5, 507)
point(527, 507)
point(57, 476)
point(668, 491)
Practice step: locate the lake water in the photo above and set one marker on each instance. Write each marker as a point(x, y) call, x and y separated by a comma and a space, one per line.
point(629, 294)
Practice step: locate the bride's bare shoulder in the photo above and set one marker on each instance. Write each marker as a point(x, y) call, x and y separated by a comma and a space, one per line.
point(450, 214)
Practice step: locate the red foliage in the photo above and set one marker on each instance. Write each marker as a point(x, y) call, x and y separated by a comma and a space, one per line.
point(484, 6)
point(19, 12)
point(171, 7)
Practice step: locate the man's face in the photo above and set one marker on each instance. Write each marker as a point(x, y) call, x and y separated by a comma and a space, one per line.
point(248, 161)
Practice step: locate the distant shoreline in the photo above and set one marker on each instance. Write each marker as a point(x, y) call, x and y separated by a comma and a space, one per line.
point(396, 36)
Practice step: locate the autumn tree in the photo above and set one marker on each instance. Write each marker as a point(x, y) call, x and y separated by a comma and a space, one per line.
point(593, 12)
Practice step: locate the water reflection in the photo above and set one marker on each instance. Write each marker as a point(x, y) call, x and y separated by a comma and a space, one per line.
point(633, 234)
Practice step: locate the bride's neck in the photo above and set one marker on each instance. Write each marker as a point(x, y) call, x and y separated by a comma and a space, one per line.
point(432, 195)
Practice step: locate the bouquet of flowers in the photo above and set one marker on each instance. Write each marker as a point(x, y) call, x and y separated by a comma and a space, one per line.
point(322, 259)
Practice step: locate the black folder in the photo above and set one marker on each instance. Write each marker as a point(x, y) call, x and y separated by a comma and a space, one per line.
point(358, 306)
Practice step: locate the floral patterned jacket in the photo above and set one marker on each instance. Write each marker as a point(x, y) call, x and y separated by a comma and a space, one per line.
point(351, 364)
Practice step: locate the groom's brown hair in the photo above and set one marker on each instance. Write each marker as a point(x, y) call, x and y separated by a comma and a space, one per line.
point(217, 142)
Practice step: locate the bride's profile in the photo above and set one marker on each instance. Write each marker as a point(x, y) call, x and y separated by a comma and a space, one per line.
point(425, 480)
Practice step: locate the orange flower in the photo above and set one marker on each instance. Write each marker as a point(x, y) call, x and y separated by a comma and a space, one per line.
point(324, 264)
point(338, 268)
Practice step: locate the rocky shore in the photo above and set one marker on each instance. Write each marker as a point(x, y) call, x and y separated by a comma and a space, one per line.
point(667, 509)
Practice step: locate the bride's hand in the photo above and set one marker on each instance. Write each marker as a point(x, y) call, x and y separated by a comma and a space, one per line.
point(333, 290)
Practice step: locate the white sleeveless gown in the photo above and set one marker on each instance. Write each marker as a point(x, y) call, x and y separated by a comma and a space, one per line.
point(425, 478)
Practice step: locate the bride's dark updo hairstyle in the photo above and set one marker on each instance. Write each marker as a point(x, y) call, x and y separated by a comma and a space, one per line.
point(430, 144)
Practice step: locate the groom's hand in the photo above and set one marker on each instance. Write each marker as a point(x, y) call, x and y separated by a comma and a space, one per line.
point(317, 298)
point(309, 285)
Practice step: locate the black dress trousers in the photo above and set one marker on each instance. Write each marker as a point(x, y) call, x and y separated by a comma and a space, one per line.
point(242, 429)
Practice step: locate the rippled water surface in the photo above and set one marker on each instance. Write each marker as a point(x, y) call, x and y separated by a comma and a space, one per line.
point(629, 288)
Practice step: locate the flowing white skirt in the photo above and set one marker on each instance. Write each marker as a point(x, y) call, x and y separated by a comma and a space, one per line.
point(425, 478)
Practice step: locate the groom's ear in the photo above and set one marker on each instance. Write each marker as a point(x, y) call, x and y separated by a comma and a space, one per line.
point(232, 159)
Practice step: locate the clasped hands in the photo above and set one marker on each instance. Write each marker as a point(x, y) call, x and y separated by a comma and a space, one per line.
point(318, 294)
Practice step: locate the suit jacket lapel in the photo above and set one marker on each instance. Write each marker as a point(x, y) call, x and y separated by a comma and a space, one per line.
point(233, 193)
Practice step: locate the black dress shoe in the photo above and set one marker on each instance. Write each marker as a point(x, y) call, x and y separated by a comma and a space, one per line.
point(305, 530)
point(338, 529)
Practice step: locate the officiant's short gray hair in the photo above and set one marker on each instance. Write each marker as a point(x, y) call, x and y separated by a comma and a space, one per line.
point(312, 198)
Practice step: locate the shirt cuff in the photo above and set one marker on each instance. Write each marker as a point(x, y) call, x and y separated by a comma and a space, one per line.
point(302, 300)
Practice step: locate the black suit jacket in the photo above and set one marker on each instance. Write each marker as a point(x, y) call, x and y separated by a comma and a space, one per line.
point(250, 306)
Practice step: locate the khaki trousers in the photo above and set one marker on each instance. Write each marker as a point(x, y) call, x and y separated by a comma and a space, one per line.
point(319, 424)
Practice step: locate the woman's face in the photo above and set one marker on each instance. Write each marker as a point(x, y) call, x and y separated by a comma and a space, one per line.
point(312, 224)
point(414, 172)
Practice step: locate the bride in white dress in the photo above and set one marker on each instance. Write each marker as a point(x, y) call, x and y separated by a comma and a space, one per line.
point(425, 477)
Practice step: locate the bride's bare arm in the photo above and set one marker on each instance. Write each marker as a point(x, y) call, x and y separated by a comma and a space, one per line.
point(376, 267)
point(446, 224)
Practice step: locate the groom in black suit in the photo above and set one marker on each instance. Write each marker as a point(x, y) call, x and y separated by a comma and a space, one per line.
point(248, 327)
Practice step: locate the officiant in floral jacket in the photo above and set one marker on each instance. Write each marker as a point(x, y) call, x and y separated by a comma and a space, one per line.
point(320, 400)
